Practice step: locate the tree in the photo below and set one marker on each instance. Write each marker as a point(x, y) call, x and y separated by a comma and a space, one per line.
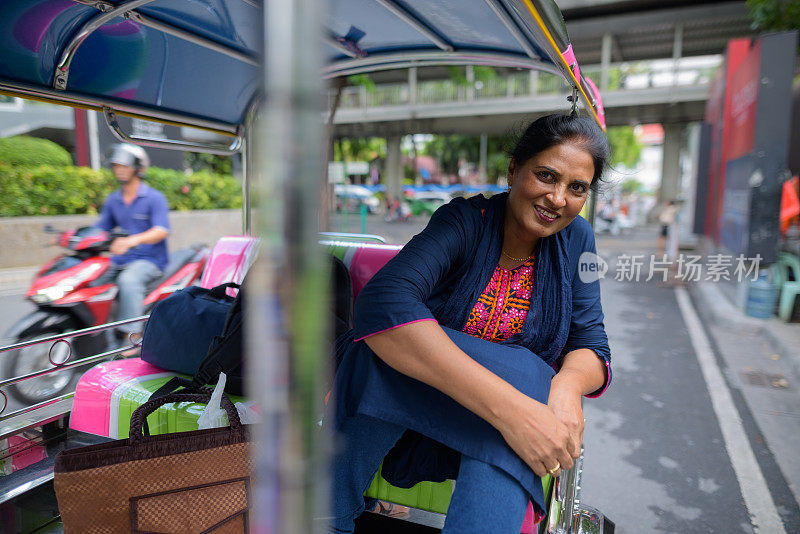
point(631, 185)
point(777, 15)
point(359, 149)
point(362, 80)
point(481, 73)
point(449, 149)
point(774, 15)
point(625, 148)
point(198, 161)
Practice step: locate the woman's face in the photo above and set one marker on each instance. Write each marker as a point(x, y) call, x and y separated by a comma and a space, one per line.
point(549, 190)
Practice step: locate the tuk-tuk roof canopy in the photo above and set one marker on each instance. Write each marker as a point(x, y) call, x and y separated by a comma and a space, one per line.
point(197, 62)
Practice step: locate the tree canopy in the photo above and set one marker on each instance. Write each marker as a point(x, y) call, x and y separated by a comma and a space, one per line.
point(625, 148)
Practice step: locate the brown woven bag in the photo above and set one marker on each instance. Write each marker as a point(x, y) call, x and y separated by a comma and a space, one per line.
point(187, 482)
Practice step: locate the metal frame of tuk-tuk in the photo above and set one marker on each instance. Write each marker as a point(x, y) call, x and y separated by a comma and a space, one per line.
point(284, 168)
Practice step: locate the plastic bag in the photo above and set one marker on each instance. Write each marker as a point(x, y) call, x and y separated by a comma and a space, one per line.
point(214, 416)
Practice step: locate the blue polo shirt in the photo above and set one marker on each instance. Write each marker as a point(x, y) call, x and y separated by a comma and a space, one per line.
point(148, 210)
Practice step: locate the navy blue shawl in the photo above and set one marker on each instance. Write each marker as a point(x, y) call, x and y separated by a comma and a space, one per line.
point(439, 275)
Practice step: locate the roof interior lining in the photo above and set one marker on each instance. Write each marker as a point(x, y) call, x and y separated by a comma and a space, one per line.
point(529, 55)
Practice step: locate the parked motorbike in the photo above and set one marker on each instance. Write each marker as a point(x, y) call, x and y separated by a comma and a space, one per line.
point(77, 290)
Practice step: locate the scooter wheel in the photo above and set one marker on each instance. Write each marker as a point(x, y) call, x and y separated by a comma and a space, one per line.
point(37, 358)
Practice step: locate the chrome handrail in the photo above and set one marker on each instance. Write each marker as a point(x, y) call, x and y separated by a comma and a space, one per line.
point(61, 367)
point(37, 406)
point(68, 53)
point(54, 96)
point(76, 333)
point(564, 507)
point(354, 237)
point(63, 338)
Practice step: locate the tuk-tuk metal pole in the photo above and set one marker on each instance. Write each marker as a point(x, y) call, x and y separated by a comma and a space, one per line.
point(248, 164)
point(287, 308)
point(248, 168)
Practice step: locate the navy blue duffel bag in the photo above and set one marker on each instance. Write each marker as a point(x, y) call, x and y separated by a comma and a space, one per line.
point(181, 327)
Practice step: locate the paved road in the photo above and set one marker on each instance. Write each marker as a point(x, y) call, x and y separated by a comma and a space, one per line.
point(660, 454)
point(13, 307)
point(663, 452)
point(655, 457)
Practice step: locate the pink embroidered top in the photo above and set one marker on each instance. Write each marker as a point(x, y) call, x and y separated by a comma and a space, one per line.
point(502, 307)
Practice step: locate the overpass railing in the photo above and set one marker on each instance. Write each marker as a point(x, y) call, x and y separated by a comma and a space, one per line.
point(687, 72)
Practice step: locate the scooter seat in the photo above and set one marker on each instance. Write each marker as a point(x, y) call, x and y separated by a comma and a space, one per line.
point(177, 259)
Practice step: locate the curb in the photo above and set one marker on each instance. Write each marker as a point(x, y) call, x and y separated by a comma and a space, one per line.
point(715, 306)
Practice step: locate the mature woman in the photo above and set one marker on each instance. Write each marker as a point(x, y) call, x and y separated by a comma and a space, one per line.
point(473, 346)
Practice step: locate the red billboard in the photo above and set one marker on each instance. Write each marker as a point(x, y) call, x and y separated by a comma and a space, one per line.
point(737, 51)
point(744, 100)
point(745, 142)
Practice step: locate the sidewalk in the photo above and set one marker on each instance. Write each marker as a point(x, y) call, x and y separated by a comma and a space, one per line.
point(717, 307)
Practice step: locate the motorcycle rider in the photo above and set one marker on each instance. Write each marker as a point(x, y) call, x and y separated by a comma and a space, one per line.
point(141, 211)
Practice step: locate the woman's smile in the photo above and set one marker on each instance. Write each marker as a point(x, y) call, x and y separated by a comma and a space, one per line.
point(546, 215)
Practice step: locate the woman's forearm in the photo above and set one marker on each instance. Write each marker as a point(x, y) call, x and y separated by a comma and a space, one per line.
point(423, 351)
point(581, 370)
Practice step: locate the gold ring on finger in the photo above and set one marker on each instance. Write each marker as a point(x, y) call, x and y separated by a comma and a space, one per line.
point(554, 470)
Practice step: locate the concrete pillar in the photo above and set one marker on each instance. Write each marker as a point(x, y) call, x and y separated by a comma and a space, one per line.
point(677, 52)
point(534, 82)
point(605, 61)
point(689, 182)
point(412, 85)
point(483, 157)
point(470, 83)
point(670, 187)
point(394, 166)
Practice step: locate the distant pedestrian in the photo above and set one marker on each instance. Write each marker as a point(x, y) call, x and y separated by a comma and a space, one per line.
point(667, 219)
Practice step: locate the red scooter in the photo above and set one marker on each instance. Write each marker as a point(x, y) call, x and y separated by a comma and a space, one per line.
point(77, 290)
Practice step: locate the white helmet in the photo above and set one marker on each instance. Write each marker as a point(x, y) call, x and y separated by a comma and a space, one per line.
point(130, 156)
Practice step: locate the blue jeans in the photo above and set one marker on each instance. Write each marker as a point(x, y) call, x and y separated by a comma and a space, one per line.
point(132, 282)
point(485, 500)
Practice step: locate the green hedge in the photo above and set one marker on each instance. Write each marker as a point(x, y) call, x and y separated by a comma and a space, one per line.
point(64, 190)
point(25, 151)
point(202, 190)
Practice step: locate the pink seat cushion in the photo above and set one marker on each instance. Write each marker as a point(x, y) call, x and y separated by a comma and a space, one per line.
point(91, 406)
point(367, 261)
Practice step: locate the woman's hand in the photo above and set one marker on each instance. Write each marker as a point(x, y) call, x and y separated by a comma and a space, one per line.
point(534, 432)
point(565, 402)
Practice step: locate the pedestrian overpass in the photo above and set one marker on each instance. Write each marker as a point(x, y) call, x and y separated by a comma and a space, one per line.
point(662, 91)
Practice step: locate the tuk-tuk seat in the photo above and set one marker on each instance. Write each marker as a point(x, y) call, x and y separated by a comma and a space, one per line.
point(107, 394)
point(229, 260)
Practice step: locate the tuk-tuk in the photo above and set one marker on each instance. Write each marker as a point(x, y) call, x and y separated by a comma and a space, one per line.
point(251, 74)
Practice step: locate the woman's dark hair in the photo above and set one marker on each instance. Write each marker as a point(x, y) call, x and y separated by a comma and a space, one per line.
point(552, 130)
